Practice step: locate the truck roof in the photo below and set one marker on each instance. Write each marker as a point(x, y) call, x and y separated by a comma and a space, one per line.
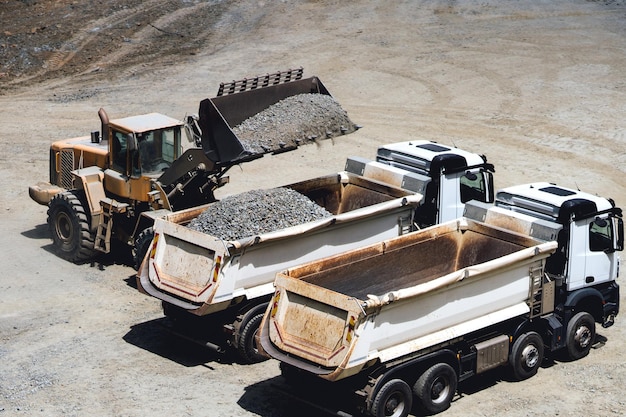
point(145, 122)
point(552, 201)
point(422, 155)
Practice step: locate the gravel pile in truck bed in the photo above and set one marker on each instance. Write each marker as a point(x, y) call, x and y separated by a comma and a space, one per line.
point(296, 120)
point(255, 212)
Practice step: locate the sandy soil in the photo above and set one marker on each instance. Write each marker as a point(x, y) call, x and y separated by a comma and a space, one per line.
point(537, 86)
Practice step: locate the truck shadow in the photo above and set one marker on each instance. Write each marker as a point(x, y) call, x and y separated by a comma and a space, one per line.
point(154, 337)
point(272, 398)
point(275, 398)
point(503, 374)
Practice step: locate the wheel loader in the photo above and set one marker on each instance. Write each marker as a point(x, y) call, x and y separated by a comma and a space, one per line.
point(109, 186)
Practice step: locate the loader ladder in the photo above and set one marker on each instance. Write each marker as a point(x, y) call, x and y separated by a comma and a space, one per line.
point(541, 296)
point(105, 225)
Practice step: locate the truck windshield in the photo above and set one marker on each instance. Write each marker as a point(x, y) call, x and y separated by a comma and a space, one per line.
point(473, 187)
point(157, 150)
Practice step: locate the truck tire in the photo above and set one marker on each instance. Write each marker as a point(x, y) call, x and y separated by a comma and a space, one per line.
point(68, 223)
point(581, 333)
point(141, 246)
point(247, 347)
point(436, 387)
point(526, 355)
point(393, 399)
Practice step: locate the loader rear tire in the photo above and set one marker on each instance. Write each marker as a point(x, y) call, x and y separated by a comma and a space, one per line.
point(68, 223)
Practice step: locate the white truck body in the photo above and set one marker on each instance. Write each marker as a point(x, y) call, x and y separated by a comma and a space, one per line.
point(399, 296)
point(427, 183)
point(414, 315)
point(203, 273)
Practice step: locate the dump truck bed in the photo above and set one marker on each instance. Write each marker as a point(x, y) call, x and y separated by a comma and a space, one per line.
point(204, 273)
point(400, 296)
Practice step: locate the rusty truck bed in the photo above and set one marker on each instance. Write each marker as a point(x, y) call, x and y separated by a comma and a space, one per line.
point(409, 261)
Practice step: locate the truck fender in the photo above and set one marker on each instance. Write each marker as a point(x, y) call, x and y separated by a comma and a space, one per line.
point(586, 299)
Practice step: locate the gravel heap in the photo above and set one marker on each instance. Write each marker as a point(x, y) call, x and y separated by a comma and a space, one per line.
point(256, 212)
point(298, 119)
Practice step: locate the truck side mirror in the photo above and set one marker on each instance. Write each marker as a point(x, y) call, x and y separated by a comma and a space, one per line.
point(619, 241)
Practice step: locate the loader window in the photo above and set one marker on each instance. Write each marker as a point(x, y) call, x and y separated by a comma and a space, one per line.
point(600, 235)
point(118, 151)
point(157, 150)
point(473, 187)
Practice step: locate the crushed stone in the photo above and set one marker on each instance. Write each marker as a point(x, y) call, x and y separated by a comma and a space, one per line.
point(255, 212)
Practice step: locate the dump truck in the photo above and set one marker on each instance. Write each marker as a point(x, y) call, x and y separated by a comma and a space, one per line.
point(406, 319)
point(108, 187)
point(228, 283)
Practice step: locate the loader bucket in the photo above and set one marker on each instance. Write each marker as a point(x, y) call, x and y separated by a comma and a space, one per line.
point(246, 98)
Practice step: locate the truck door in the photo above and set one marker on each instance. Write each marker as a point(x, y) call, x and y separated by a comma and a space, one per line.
point(458, 188)
point(592, 253)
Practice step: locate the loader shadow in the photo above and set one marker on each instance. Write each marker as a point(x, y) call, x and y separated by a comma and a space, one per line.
point(38, 232)
point(101, 260)
point(131, 281)
point(153, 336)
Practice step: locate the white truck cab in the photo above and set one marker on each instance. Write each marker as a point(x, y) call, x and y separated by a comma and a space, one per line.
point(586, 263)
point(592, 230)
point(447, 177)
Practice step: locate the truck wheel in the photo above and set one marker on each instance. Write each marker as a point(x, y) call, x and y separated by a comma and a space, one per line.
point(581, 333)
point(247, 347)
point(526, 355)
point(68, 223)
point(436, 387)
point(393, 399)
point(141, 246)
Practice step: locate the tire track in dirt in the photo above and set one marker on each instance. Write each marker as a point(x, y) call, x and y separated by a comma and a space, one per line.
point(108, 42)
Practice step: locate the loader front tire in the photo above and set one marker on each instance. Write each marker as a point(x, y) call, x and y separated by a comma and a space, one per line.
point(141, 246)
point(68, 223)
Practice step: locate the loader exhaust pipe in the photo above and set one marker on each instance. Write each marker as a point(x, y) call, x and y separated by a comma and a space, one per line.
point(104, 123)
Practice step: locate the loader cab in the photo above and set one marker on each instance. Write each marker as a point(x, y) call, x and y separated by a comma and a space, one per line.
point(141, 149)
point(592, 233)
point(451, 177)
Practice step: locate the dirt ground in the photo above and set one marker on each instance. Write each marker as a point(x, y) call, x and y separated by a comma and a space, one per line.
point(537, 86)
